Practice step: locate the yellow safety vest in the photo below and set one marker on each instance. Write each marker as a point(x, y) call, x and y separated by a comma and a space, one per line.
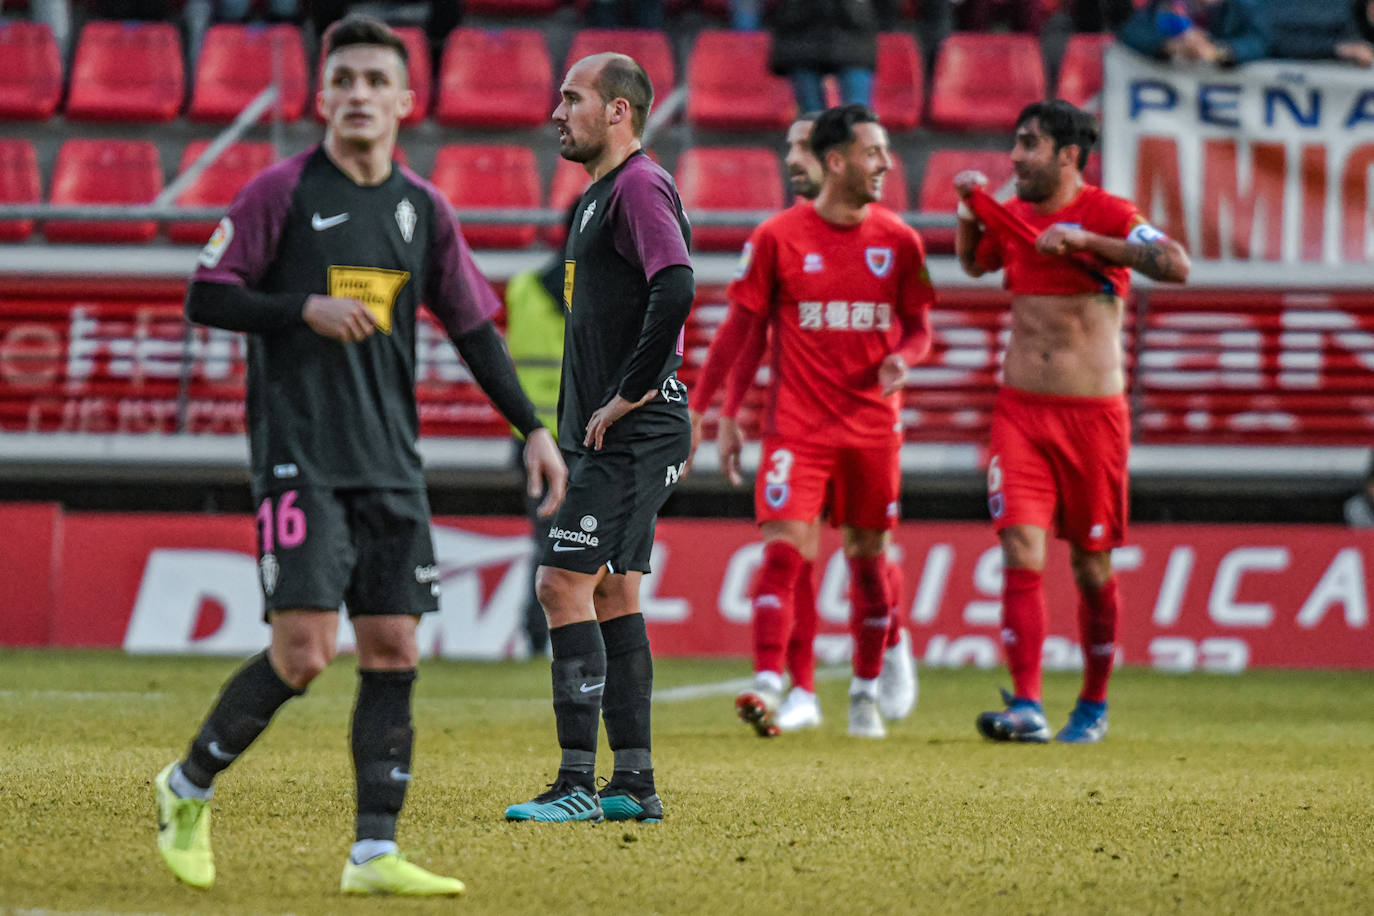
point(534, 336)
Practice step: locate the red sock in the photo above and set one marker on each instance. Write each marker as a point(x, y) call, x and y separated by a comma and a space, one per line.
point(896, 581)
point(1023, 629)
point(773, 604)
point(801, 647)
point(1097, 614)
point(868, 612)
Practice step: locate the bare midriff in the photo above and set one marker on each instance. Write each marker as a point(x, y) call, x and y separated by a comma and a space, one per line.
point(1065, 344)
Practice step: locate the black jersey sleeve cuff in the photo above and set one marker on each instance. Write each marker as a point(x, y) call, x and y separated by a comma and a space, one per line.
point(238, 308)
point(488, 360)
point(671, 291)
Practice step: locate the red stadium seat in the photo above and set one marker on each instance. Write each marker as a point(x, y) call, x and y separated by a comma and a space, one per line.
point(475, 177)
point(19, 184)
point(937, 187)
point(983, 80)
point(648, 46)
point(104, 172)
point(728, 178)
point(217, 185)
point(420, 70)
point(127, 71)
point(899, 82)
point(235, 64)
point(1080, 69)
point(570, 179)
point(31, 78)
point(896, 197)
point(495, 78)
point(729, 85)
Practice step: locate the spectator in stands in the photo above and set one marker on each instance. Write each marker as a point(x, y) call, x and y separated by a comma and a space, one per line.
point(638, 14)
point(813, 38)
point(1316, 30)
point(1221, 32)
point(1363, 12)
point(1359, 509)
point(1016, 15)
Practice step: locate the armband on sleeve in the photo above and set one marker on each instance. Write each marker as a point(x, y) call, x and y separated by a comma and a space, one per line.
point(1144, 234)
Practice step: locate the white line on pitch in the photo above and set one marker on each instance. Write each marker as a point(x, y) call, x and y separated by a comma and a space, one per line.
point(725, 688)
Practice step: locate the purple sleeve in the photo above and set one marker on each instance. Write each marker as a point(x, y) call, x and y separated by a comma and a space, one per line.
point(458, 294)
point(647, 231)
point(245, 242)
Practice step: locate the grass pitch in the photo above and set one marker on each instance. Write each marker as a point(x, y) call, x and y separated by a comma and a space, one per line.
point(1211, 795)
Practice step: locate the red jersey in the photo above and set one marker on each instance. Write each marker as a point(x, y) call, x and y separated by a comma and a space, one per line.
point(839, 298)
point(1032, 273)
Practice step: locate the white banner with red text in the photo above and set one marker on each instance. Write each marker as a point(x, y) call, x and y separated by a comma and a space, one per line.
point(1266, 162)
point(1196, 597)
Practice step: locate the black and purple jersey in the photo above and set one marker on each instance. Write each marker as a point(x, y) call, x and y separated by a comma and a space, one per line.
point(321, 412)
point(629, 226)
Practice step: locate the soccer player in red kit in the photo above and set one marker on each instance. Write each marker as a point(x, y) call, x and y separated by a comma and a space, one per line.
point(845, 288)
point(1060, 424)
point(800, 708)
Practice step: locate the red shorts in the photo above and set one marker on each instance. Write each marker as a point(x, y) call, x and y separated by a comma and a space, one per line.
point(1058, 462)
point(861, 486)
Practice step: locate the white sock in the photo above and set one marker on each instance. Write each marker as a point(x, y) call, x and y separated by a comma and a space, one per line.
point(184, 788)
point(868, 686)
point(769, 680)
point(371, 849)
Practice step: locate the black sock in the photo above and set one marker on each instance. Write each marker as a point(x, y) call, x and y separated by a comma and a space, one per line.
point(579, 677)
point(245, 706)
point(382, 738)
point(629, 691)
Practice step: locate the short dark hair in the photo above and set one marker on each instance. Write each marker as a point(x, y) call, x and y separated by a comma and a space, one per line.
point(622, 77)
point(1065, 123)
point(834, 127)
point(357, 29)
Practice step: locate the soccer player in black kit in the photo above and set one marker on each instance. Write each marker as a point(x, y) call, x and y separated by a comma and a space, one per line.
point(323, 260)
point(623, 425)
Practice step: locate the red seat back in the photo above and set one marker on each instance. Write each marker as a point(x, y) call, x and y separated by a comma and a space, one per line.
point(104, 172)
point(1080, 69)
point(495, 78)
point(728, 178)
point(217, 185)
point(983, 80)
point(19, 184)
point(127, 71)
point(937, 187)
point(647, 46)
point(899, 82)
point(729, 85)
point(475, 176)
point(31, 78)
point(236, 63)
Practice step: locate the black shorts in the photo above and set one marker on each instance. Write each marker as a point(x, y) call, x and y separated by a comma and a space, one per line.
point(369, 548)
point(607, 518)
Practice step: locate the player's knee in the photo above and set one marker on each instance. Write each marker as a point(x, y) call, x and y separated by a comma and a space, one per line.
point(300, 664)
point(864, 542)
point(1023, 547)
point(564, 599)
point(1091, 569)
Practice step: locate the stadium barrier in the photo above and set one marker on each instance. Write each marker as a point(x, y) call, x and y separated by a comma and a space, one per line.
point(1218, 598)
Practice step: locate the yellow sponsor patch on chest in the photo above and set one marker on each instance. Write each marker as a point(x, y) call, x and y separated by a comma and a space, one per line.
point(376, 287)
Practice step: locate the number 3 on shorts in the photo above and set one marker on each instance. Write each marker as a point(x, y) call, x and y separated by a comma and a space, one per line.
point(781, 469)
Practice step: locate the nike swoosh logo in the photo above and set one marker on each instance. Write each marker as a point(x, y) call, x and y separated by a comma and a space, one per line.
point(560, 547)
point(219, 753)
point(319, 223)
point(399, 775)
point(588, 688)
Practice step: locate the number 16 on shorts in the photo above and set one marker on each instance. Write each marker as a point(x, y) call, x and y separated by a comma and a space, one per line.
point(281, 525)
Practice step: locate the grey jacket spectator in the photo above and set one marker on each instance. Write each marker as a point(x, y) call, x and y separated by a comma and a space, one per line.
point(1316, 30)
point(1223, 32)
point(825, 35)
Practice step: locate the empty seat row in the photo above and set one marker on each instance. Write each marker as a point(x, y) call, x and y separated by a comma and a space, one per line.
point(471, 176)
point(133, 71)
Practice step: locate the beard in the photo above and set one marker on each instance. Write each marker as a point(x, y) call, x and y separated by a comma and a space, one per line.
point(804, 185)
point(1037, 186)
